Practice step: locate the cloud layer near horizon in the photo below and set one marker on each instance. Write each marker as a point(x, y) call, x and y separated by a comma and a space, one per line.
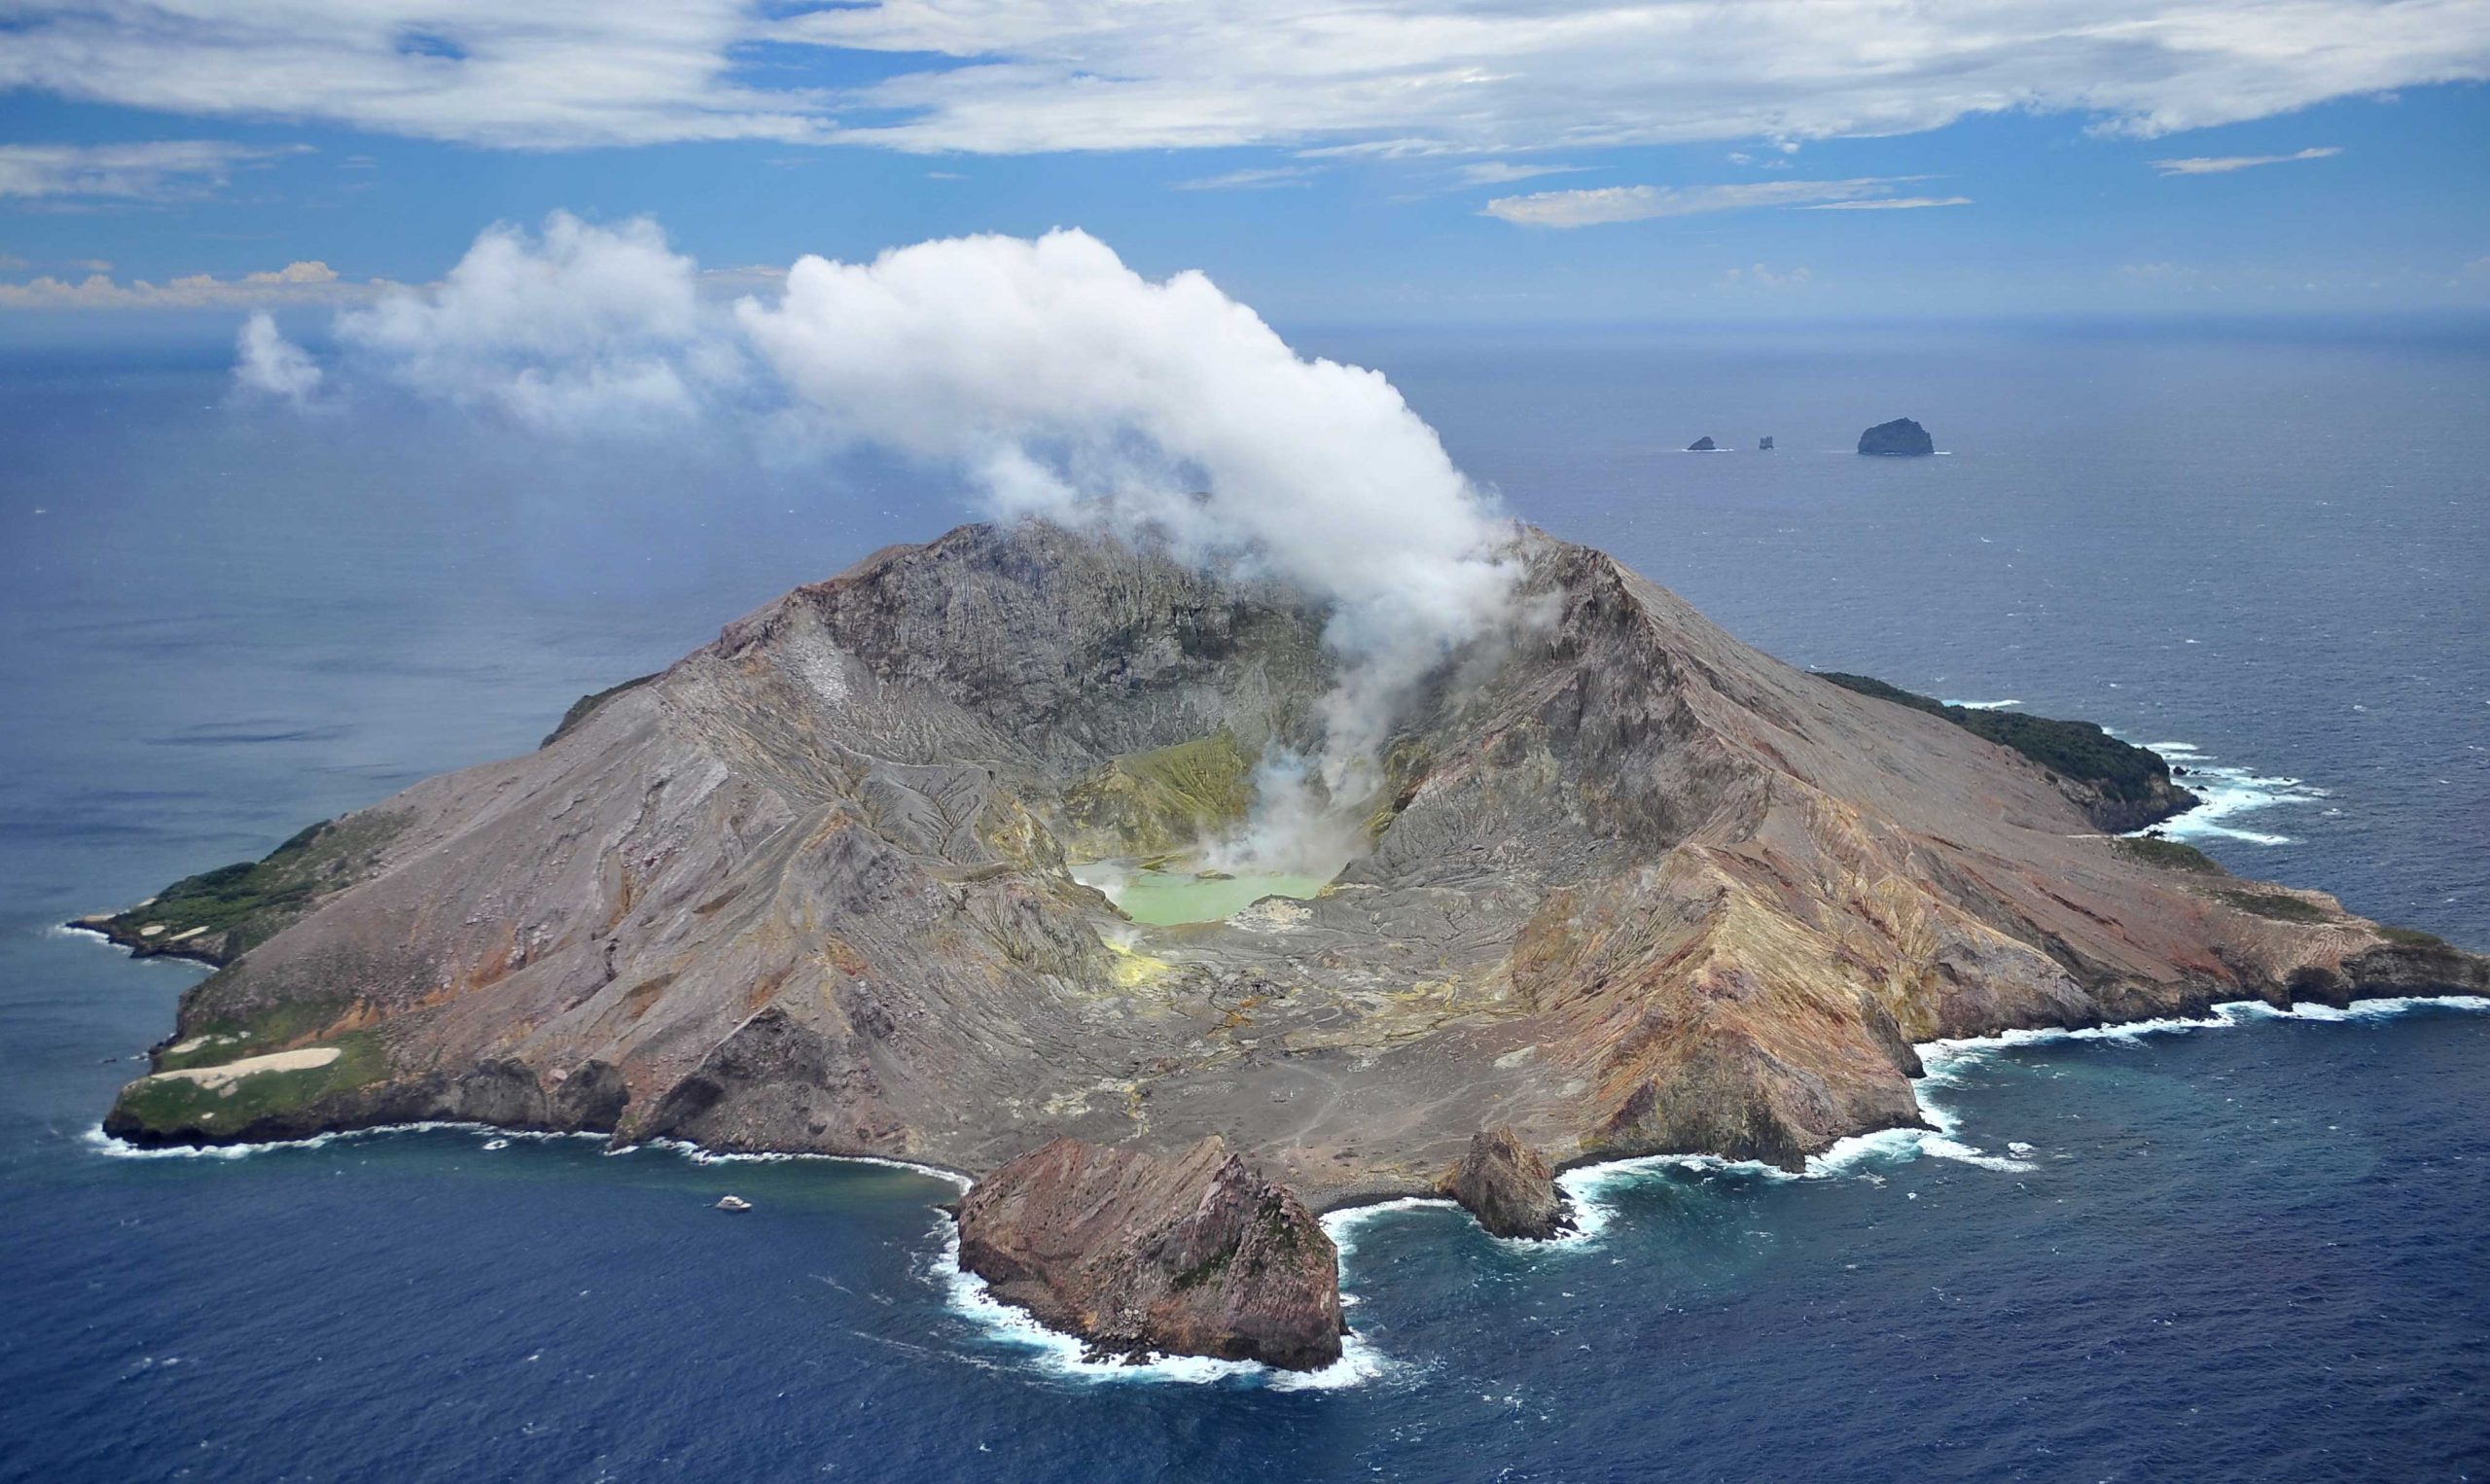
point(1397, 77)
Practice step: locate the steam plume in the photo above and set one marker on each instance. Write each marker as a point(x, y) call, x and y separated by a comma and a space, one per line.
point(1065, 384)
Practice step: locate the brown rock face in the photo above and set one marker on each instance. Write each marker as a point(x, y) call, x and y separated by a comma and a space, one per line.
point(1192, 1254)
point(1509, 1187)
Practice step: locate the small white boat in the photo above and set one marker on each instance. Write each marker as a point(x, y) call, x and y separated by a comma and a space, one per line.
point(734, 1203)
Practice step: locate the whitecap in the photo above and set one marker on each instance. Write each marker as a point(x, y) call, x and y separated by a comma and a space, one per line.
point(1983, 705)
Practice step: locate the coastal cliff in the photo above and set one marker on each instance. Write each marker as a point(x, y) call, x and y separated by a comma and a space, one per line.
point(1628, 887)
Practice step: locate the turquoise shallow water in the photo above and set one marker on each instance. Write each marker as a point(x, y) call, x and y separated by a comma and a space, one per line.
point(2255, 1249)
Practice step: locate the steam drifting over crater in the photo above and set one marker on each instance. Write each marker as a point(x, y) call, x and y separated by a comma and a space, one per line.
point(1058, 381)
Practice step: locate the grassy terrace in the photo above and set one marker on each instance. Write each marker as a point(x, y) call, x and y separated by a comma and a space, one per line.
point(172, 1103)
point(2076, 750)
point(239, 905)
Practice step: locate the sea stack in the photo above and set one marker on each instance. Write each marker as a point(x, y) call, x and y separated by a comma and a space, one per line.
point(1703, 445)
point(1504, 1184)
point(1195, 1253)
point(1900, 439)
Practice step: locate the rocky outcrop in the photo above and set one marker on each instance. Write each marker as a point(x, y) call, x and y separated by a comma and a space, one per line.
point(1504, 1182)
point(1195, 1253)
point(1703, 445)
point(1899, 439)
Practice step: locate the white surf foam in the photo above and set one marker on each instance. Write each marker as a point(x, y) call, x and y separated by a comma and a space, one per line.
point(1343, 1226)
point(2229, 792)
point(1589, 1186)
point(695, 1154)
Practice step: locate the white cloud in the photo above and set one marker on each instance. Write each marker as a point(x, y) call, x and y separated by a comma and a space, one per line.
point(168, 169)
point(1891, 204)
point(1406, 76)
point(1264, 179)
point(2223, 165)
point(550, 74)
point(579, 326)
point(267, 362)
point(297, 283)
point(1578, 74)
point(1637, 203)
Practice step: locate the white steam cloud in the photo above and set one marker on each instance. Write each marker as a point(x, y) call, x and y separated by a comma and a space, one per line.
point(1066, 384)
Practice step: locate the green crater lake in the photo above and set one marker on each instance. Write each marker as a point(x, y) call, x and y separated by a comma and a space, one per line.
point(1166, 898)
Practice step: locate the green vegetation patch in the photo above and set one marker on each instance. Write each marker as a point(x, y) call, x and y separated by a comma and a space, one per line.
point(2076, 750)
point(2411, 937)
point(1168, 797)
point(2278, 907)
point(585, 707)
point(2169, 855)
point(250, 901)
point(228, 1037)
point(173, 1105)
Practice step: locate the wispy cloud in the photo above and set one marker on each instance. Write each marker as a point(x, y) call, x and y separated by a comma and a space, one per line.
point(2223, 165)
point(1637, 203)
point(169, 169)
point(1504, 172)
point(1892, 204)
point(1402, 76)
point(1263, 179)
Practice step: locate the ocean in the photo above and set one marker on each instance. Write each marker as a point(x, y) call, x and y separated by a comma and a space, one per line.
point(2257, 1246)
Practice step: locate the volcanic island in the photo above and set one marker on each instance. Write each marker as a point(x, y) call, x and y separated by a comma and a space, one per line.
point(833, 884)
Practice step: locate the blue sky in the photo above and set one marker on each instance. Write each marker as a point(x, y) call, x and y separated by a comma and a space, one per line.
point(1415, 163)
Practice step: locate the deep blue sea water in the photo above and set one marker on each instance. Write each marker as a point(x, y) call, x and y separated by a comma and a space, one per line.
point(2254, 1250)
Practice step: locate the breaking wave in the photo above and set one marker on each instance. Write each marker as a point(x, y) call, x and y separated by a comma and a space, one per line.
point(2229, 792)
